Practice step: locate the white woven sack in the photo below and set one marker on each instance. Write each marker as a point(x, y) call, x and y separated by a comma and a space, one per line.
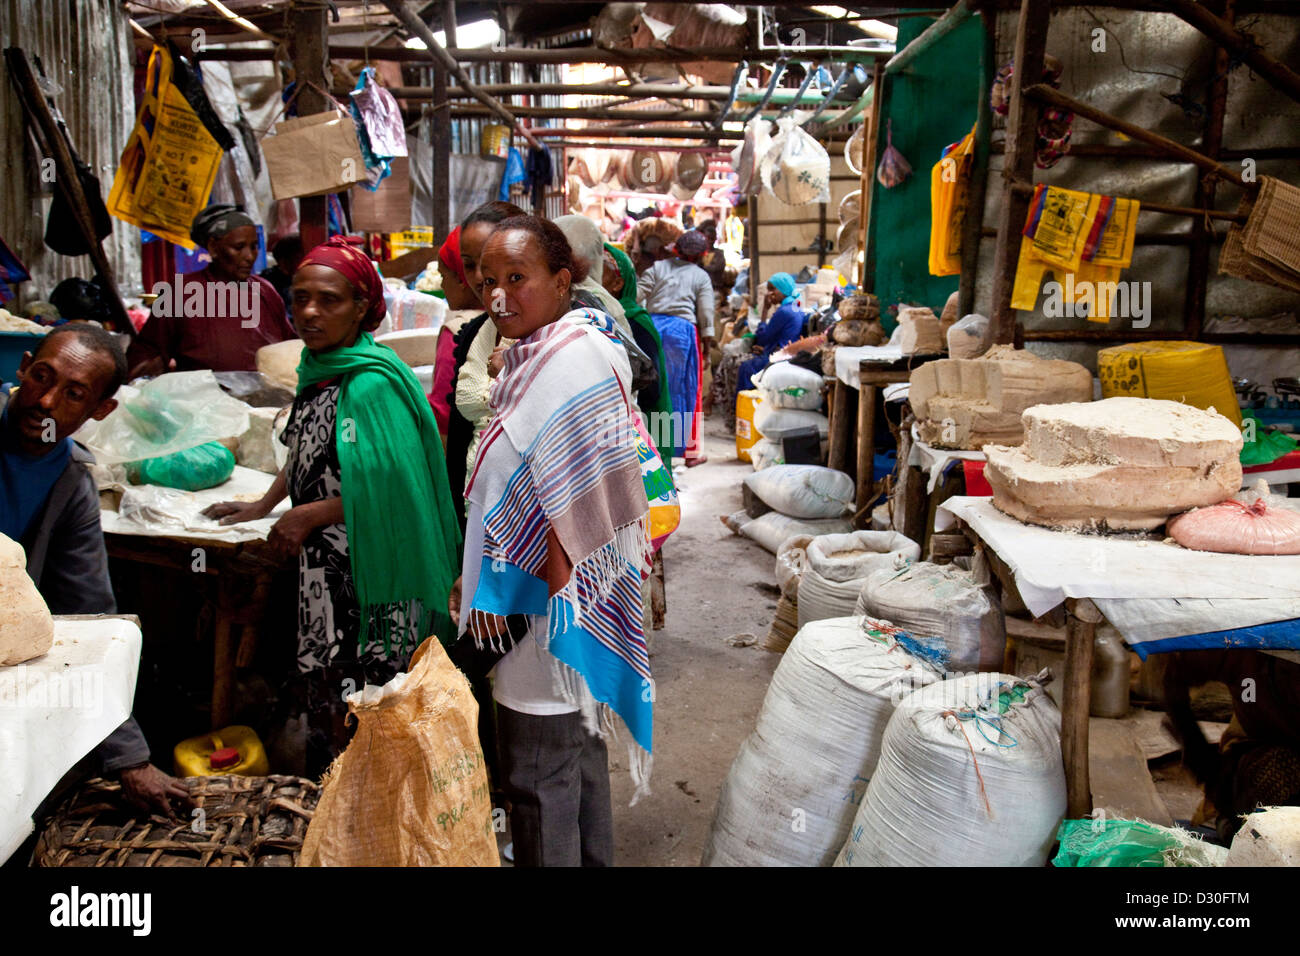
point(766, 453)
point(943, 601)
point(828, 588)
point(773, 529)
point(786, 385)
point(775, 422)
point(804, 491)
point(927, 805)
point(792, 791)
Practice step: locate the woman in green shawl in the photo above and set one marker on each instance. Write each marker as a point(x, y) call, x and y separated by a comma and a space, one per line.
point(372, 522)
point(619, 279)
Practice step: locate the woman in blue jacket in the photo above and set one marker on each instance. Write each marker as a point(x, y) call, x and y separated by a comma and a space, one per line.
point(779, 329)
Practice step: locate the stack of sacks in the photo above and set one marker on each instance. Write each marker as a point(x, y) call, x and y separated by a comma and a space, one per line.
point(790, 397)
point(792, 791)
point(968, 403)
point(838, 566)
point(1120, 464)
point(953, 611)
point(803, 499)
point(773, 529)
point(970, 774)
point(1189, 372)
point(859, 322)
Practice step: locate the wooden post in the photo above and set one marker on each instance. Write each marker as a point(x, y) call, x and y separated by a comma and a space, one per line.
point(1244, 47)
point(866, 483)
point(1198, 269)
point(973, 226)
point(309, 47)
point(441, 174)
point(867, 177)
point(1022, 128)
point(755, 275)
point(1082, 618)
point(841, 425)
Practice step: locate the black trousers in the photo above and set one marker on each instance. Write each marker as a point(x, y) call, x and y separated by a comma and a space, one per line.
point(556, 776)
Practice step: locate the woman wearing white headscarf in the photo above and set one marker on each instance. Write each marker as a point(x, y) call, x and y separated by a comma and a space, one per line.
point(589, 248)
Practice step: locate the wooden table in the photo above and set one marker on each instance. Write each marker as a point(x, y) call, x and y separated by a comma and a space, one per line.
point(243, 572)
point(872, 376)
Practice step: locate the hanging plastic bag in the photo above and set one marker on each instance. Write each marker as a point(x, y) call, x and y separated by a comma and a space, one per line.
point(380, 131)
point(894, 167)
point(949, 197)
point(745, 157)
point(796, 169)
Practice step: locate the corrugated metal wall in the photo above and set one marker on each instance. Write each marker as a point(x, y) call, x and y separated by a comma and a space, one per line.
point(85, 47)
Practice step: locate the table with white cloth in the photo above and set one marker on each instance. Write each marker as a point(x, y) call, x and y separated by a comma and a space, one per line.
point(164, 527)
point(1157, 594)
point(57, 708)
point(860, 372)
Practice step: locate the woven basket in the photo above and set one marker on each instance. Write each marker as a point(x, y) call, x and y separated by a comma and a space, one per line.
point(250, 821)
point(784, 626)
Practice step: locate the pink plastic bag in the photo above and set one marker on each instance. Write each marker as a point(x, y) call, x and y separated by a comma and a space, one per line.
point(894, 167)
point(1231, 527)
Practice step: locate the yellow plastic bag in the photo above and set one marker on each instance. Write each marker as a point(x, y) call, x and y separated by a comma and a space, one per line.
point(411, 789)
point(1189, 372)
point(949, 198)
point(170, 162)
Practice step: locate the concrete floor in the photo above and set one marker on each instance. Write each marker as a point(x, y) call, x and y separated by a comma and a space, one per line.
point(707, 693)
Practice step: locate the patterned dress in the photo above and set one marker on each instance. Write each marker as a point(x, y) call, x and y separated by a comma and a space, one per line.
point(329, 618)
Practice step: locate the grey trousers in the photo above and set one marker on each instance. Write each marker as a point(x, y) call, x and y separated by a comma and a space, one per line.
point(556, 776)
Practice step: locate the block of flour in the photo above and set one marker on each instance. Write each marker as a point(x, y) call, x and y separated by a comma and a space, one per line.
point(26, 627)
point(918, 331)
point(1121, 464)
point(968, 403)
point(279, 363)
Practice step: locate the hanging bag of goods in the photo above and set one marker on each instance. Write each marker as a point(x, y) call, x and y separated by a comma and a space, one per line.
point(792, 791)
point(970, 774)
point(380, 132)
point(949, 197)
point(314, 155)
point(796, 170)
point(894, 168)
point(167, 169)
point(747, 157)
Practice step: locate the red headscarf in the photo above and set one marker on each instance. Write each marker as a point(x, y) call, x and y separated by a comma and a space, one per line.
point(346, 258)
point(449, 255)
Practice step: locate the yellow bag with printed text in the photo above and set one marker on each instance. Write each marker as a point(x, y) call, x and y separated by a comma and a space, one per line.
point(167, 169)
point(1189, 372)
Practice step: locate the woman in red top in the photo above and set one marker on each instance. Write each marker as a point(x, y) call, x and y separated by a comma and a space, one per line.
point(217, 317)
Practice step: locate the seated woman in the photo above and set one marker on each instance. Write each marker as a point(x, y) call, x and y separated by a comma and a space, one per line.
point(557, 536)
point(372, 520)
point(779, 329)
point(219, 316)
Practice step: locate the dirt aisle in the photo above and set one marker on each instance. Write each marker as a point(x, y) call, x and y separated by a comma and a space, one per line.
point(707, 692)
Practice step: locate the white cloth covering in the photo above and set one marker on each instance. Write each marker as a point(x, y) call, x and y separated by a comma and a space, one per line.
point(934, 460)
point(56, 709)
point(169, 512)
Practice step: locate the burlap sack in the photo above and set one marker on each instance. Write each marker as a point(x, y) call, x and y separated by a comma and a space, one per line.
point(411, 789)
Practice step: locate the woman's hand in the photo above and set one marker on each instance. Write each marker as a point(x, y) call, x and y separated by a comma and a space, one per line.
point(288, 534)
point(234, 512)
point(756, 350)
point(486, 627)
point(453, 604)
point(497, 361)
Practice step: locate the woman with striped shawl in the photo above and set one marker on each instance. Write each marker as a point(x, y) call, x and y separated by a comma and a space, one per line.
point(557, 546)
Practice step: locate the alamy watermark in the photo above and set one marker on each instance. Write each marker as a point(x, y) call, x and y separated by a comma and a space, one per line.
point(219, 300)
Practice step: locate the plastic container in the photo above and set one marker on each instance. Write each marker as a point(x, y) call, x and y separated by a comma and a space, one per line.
point(12, 347)
point(747, 436)
point(211, 754)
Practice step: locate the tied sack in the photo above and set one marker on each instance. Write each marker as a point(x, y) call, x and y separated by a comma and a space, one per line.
point(804, 491)
point(815, 745)
point(945, 603)
point(313, 155)
point(796, 170)
point(786, 385)
point(411, 789)
point(837, 564)
point(970, 774)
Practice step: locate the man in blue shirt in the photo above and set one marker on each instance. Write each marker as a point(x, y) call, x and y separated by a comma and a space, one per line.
point(50, 505)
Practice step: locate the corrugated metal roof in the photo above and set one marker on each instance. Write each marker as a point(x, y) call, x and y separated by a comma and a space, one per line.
point(85, 46)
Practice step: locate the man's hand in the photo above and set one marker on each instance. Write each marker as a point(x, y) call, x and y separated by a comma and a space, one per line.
point(151, 790)
point(235, 512)
point(453, 604)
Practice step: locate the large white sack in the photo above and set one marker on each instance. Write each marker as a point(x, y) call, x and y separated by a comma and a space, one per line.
point(837, 565)
point(927, 806)
point(942, 601)
point(774, 422)
point(786, 385)
point(765, 453)
point(792, 791)
point(804, 491)
point(772, 529)
point(1269, 837)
